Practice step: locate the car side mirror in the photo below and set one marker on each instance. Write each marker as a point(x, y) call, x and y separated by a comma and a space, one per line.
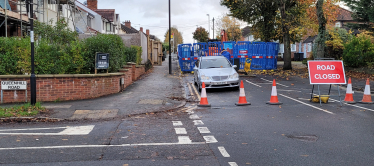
point(234, 66)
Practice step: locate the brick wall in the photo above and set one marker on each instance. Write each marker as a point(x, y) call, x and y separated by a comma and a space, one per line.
point(71, 86)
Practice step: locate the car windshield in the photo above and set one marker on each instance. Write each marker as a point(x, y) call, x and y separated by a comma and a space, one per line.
point(215, 63)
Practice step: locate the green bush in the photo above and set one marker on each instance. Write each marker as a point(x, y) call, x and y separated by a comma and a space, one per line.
point(358, 52)
point(14, 55)
point(130, 54)
point(139, 52)
point(105, 43)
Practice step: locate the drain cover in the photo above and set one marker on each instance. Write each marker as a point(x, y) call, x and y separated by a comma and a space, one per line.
point(305, 138)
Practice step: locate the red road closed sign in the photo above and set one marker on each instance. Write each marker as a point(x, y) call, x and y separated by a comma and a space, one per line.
point(326, 72)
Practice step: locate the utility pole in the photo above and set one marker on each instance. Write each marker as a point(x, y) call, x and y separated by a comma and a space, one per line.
point(20, 14)
point(6, 19)
point(32, 78)
point(209, 25)
point(213, 28)
point(169, 42)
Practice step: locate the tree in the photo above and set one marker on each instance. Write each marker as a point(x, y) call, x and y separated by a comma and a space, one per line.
point(200, 34)
point(363, 12)
point(178, 39)
point(231, 25)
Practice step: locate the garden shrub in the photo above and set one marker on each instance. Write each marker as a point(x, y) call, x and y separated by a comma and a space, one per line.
point(139, 52)
point(130, 54)
point(359, 52)
point(105, 43)
point(14, 55)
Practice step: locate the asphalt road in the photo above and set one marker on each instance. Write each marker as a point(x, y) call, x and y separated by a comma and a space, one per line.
point(296, 133)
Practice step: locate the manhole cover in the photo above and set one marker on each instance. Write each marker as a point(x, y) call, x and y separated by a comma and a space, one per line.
point(305, 138)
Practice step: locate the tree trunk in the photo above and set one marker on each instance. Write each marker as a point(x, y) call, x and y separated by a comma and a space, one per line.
point(286, 38)
point(321, 39)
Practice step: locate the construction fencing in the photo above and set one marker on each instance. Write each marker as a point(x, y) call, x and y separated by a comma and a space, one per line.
point(259, 55)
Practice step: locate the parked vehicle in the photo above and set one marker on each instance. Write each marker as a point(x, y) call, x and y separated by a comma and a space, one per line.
point(215, 72)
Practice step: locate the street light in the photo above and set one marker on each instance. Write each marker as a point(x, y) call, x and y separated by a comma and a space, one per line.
point(32, 77)
point(209, 25)
point(197, 27)
point(170, 72)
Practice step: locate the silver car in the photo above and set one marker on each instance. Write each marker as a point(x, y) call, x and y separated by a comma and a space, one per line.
point(215, 72)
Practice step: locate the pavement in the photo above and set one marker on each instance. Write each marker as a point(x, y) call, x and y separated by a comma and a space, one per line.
point(155, 91)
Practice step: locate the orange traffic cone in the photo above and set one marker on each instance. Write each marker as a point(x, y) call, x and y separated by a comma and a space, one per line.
point(204, 99)
point(242, 99)
point(349, 94)
point(367, 96)
point(274, 96)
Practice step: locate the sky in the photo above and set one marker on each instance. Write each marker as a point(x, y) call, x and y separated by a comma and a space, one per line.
point(154, 14)
point(186, 15)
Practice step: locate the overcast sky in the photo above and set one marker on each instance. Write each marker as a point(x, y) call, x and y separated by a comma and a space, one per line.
point(153, 14)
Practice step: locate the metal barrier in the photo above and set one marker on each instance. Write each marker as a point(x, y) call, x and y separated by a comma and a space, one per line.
point(242, 51)
point(215, 48)
point(200, 49)
point(260, 55)
point(186, 61)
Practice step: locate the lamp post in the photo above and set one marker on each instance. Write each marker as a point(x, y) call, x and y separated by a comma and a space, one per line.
point(209, 25)
point(197, 26)
point(32, 78)
point(169, 42)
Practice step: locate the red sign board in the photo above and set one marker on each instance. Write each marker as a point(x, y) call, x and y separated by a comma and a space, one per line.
point(243, 52)
point(326, 72)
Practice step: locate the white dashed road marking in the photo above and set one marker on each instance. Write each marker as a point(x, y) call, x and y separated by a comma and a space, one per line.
point(194, 116)
point(353, 105)
point(184, 139)
point(307, 104)
point(210, 139)
point(223, 151)
point(233, 164)
point(203, 130)
point(198, 122)
point(177, 123)
point(69, 130)
point(180, 130)
point(253, 83)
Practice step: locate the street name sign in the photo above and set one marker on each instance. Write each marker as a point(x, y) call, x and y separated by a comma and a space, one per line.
point(13, 85)
point(326, 72)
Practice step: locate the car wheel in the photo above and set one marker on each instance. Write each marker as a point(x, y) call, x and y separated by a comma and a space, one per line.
point(236, 88)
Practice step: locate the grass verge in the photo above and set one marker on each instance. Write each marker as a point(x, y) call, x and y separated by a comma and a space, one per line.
point(25, 110)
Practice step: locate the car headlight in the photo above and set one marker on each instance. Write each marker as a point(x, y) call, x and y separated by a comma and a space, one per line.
point(203, 77)
point(234, 76)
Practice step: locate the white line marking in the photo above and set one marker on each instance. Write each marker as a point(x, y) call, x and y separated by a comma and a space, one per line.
point(203, 130)
point(180, 130)
point(73, 130)
point(177, 123)
point(307, 104)
point(51, 128)
point(194, 116)
point(272, 81)
point(223, 151)
point(210, 139)
point(353, 105)
point(124, 137)
point(233, 164)
point(288, 90)
point(198, 122)
point(190, 112)
point(253, 83)
point(184, 139)
point(197, 93)
point(102, 146)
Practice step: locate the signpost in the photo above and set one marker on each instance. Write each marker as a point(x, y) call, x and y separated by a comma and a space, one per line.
point(101, 61)
point(13, 85)
point(326, 72)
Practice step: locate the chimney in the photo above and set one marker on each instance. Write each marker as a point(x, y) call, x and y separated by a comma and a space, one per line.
point(147, 32)
point(13, 5)
point(141, 29)
point(128, 24)
point(92, 4)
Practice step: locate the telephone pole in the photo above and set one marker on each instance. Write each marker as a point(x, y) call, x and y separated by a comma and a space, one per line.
point(32, 78)
point(213, 28)
point(169, 42)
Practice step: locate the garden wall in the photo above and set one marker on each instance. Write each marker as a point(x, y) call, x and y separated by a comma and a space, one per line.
point(64, 87)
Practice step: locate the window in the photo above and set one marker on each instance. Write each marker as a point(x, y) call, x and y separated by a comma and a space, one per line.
point(293, 47)
point(309, 47)
point(338, 24)
point(108, 27)
point(88, 21)
point(103, 26)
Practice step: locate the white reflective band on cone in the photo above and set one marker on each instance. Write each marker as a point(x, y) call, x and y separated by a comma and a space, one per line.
point(274, 91)
point(242, 93)
point(349, 89)
point(367, 90)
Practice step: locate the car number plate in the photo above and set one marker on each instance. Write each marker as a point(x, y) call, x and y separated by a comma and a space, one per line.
point(220, 83)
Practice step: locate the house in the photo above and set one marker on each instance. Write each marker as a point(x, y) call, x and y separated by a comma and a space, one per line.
point(14, 20)
point(247, 35)
point(89, 19)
